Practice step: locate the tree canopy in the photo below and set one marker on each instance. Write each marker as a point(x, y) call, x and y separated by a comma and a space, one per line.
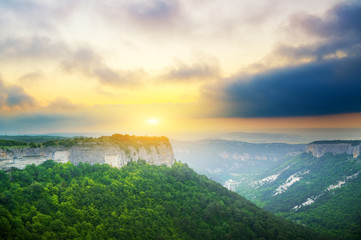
point(138, 201)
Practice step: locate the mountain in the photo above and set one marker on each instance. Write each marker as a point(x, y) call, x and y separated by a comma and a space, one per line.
point(320, 188)
point(227, 161)
point(116, 150)
point(138, 201)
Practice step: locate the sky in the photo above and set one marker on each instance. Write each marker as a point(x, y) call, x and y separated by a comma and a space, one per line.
point(160, 67)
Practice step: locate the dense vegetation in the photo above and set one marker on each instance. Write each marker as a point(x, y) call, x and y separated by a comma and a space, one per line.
point(51, 141)
point(31, 138)
point(138, 201)
point(11, 143)
point(336, 211)
point(8, 144)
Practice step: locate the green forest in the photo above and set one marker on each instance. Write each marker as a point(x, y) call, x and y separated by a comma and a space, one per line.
point(123, 141)
point(138, 201)
point(335, 212)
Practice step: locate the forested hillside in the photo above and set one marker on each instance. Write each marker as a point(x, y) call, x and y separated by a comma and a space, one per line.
point(46, 141)
point(322, 193)
point(138, 201)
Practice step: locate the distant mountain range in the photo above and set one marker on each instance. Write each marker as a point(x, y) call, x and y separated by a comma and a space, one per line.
point(222, 160)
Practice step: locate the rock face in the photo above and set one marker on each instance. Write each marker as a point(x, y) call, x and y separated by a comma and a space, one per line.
point(111, 154)
point(319, 149)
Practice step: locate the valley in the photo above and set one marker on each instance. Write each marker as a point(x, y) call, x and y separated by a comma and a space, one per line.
point(317, 185)
point(223, 160)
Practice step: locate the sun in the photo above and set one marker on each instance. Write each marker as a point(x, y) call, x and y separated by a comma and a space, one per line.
point(152, 121)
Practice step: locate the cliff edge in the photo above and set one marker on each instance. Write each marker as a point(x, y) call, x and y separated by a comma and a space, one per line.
point(320, 148)
point(116, 151)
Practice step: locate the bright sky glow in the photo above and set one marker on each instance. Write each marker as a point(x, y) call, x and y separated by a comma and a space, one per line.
point(238, 65)
point(153, 121)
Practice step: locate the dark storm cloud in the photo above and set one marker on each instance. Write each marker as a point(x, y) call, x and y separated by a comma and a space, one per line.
point(322, 88)
point(330, 84)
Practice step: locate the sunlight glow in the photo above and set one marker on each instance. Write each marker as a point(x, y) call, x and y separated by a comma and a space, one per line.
point(153, 121)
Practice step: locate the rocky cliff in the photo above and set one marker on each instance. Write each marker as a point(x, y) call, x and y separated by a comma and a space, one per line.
point(116, 153)
point(319, 148)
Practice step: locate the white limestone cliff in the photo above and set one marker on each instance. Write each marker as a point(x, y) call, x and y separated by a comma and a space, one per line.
point(111, 154)
point(320, 149)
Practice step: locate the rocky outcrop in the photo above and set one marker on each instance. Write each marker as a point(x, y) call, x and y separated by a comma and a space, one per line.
point(318, 149)
point(109, 153)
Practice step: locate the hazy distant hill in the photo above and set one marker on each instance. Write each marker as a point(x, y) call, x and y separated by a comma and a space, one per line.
point(222, 160)
point(138, 201)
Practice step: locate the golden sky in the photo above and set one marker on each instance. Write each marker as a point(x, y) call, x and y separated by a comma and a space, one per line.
point(158, 66)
